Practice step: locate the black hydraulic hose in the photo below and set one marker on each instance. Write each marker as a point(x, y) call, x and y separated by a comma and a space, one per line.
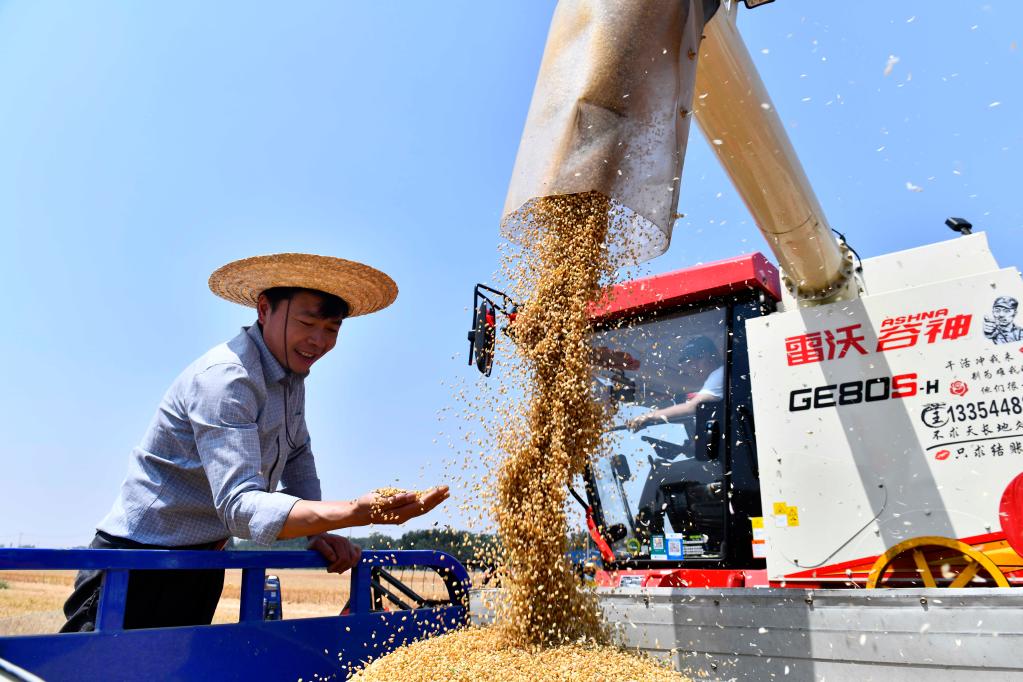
point(578, 498)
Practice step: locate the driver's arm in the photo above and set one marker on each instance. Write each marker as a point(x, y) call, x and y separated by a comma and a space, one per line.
point(672, 414)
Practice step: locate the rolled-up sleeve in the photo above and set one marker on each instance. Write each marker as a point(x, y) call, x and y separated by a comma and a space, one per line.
point(223, 413)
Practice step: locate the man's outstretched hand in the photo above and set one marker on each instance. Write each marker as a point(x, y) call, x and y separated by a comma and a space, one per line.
point(341, 553)
point(314, 518)
point(399, 508)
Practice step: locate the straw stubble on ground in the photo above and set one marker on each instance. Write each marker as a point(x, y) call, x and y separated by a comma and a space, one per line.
point(32, 601)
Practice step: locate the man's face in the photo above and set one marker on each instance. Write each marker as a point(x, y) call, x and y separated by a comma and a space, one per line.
point(1003, 316)
point(309, 335)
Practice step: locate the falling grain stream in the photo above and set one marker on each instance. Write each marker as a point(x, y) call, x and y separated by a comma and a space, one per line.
point(546, 627)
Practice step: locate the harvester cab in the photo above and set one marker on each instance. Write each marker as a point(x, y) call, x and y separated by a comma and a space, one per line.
point(683, 488)
point(675, 494)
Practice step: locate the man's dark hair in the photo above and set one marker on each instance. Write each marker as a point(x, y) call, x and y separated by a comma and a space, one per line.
point(330, 305)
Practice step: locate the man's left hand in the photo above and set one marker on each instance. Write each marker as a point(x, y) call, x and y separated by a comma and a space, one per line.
point(341, 553)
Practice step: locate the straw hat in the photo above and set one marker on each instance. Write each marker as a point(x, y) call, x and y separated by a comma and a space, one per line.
point(364, 289)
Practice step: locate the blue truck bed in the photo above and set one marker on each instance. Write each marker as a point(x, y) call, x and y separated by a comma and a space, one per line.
point(326, 648)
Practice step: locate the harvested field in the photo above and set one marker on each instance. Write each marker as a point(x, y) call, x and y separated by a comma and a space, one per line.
point(32, 602)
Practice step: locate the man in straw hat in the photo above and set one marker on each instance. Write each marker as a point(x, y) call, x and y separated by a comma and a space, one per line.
point(228, 453)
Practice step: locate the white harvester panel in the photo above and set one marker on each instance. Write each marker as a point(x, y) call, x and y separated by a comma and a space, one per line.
point(895, 416)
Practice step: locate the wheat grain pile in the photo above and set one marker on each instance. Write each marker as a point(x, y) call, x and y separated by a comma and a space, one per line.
point(481, 654)
point(545, 626)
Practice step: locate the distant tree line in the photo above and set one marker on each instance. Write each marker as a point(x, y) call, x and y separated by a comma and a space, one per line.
point(471, 549)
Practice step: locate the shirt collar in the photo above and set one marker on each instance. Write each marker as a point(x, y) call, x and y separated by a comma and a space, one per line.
point(272, 369)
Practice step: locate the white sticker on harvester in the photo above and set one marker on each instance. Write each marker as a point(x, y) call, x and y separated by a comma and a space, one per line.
point(631, 581)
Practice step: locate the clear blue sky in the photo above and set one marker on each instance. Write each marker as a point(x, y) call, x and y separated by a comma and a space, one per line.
point(142, 145)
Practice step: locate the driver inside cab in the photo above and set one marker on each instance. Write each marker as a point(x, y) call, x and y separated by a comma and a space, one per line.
point(701, 363)
point(701, 366)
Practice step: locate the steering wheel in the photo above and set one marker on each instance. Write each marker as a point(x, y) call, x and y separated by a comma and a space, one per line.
point(666, 449)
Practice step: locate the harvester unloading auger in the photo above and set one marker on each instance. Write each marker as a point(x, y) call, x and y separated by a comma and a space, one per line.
point(863, 427)
point(611, 112)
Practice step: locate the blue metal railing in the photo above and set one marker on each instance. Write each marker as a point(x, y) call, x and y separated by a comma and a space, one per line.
point(295, 648)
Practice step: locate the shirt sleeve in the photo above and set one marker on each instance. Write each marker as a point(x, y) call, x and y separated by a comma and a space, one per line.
point(223, 412)
point(715, 384)
point(299, 477)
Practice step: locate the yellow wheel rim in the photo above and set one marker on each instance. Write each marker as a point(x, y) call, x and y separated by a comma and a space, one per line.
point(915, 549)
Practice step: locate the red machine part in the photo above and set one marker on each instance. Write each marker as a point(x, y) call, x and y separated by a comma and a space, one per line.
point(605, 550)
point(1010, 513)
point(857, 571)
point(682, 577)
point(699, 283)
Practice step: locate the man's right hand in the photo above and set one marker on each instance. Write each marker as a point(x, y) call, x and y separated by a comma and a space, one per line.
point(396, 509)
point(639, 423)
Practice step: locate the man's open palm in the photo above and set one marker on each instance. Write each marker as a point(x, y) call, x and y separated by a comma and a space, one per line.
point(400, 508)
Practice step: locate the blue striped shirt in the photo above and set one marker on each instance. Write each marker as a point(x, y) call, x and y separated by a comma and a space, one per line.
point(216, 452)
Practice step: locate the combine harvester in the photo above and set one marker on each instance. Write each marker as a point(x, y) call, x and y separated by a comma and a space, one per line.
point(852, 507)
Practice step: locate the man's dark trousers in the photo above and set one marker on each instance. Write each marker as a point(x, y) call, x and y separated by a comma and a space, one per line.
point(156, 598)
